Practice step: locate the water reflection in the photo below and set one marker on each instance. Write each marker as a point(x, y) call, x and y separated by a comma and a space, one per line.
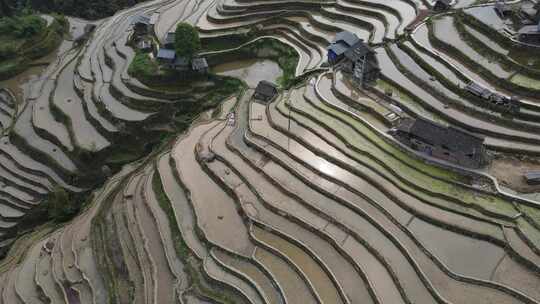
point(250, 71)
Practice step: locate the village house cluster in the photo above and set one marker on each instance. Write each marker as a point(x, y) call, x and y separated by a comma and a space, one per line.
point(526, 14)
point(507, 104)
point(165, 54)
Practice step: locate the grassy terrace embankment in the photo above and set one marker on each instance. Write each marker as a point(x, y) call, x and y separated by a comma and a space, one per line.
point(25, 38)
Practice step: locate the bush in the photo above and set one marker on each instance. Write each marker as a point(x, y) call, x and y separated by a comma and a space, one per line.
point(7, 51)
point(61, 206)
point(186, 40)
point(22, 26)
point(142, 66)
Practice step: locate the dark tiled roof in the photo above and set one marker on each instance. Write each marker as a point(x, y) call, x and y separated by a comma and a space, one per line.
point(445, 2)
point(170, 38)
point(357, 51)
point(166, 54)
point(199, 64)
point(143, 19)
point(347, 37)
point(266, 88)
point(475, 88)
point(338, 48)
point(181, 62)
point(452, 138)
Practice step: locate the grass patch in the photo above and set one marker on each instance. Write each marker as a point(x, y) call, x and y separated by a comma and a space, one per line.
point(143, 66)
point(25, 38)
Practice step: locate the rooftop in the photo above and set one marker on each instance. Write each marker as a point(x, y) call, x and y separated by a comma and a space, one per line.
point(143, 19)
point(266, 88)
point(358, 50)
point(346, 37)
point(166, 54)
point(451, 138)
point(199, 64)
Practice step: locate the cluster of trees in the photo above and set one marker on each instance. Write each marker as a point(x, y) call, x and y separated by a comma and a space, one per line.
point(21, 26)
point(94, 9)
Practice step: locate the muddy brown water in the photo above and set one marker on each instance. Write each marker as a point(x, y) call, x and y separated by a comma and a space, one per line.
point(253, 272)
point(462, 254)
point(320, 281)
point(162, 273)
point(215, 209)
point(294, 288)
point(250, 70)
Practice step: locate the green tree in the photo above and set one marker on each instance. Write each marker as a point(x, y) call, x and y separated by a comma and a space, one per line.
point(186, 40)
point(5, 9)
point(60, 206)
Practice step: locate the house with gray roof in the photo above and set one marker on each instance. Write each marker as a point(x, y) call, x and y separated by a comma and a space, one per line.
point(166, 57)
point(450, 144)
point(141, 24)
point(340, 45)
point(168, 43)
point(354, 56)
point(265, 91)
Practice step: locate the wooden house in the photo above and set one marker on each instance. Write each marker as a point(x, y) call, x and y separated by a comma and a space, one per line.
point(340, 45)
point(265, 91)
point(446, 143)
point(199, 65)
point(360, 60)
point(141, 25)
point(166, 58)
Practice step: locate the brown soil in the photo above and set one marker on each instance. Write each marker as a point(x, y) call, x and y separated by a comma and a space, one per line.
point(509, 172)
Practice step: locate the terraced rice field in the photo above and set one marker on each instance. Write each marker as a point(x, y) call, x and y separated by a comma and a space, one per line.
point(306, 199)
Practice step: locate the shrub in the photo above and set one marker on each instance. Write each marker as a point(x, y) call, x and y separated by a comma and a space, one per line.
point(142, 66)
point(61, 207)
point(22, 26)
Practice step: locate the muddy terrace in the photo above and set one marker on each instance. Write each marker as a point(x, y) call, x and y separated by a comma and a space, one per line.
point(306, 199)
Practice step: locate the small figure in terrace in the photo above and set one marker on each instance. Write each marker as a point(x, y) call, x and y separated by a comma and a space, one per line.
point(265, 91)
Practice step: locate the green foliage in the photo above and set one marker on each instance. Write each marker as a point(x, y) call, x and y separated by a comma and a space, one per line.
point(61, 207)
point(142, 66)
point(187, 42)
point(26, 37)
point(24, 26)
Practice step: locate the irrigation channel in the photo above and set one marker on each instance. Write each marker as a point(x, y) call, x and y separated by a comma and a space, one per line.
point(306, 199)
